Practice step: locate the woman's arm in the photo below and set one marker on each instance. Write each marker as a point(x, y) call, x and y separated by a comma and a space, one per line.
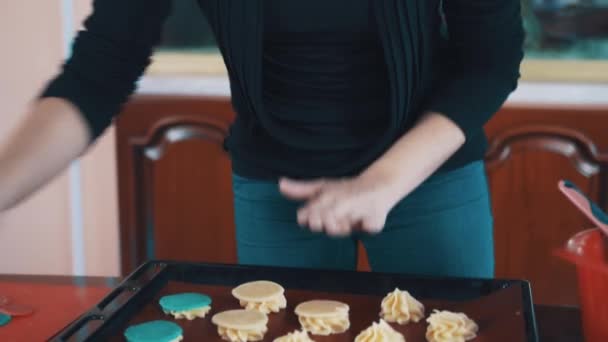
point(486, 46)
point(485, 50)
point(108, 57)
point(486, 42)
point(415, 156)
point(339, 206)
point(52, 134)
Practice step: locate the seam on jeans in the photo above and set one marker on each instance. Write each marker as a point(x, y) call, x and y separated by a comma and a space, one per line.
point(407, 210)
point(273, 219)
point(453, 179)
point(273, 244)
point(273, 199)
point(457, 174)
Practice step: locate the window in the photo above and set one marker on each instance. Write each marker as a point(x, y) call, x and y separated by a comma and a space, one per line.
point(188, 46)
point(567, 40)
point(187, 29)
point(566, 29)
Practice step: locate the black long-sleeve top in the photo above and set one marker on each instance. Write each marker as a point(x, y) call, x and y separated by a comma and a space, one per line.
point(465, 75)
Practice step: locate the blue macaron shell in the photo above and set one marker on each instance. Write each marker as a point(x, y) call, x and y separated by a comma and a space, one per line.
point(154, 331)
point(4, 319)
point(184, 301)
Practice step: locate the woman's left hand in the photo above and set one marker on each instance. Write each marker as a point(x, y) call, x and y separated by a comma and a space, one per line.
point(339, 206)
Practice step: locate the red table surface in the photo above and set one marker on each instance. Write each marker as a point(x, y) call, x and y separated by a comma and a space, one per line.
point(56, 306)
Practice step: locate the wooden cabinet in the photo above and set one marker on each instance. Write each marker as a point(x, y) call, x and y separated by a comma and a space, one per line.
point(175, 190)
point(174, 181)
point(531, 150)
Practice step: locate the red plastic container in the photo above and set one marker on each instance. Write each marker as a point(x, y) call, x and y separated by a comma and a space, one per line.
point(588, 250)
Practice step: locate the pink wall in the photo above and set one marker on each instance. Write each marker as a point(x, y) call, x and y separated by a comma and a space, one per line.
point(36, 238)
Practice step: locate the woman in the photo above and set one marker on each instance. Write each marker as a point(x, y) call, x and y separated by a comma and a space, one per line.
point(357, 119)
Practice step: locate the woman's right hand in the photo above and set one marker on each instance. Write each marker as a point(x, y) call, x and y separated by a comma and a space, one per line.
point(51, 135)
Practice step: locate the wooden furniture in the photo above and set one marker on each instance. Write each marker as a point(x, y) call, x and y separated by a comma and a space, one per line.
point(75, 295)
point(174, 181)
point(175, 192)
point(531, 150)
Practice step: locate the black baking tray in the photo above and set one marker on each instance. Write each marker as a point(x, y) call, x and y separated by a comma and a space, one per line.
point(107, 319)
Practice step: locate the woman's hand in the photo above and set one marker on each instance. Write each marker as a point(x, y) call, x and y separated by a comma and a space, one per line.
point(339, 206)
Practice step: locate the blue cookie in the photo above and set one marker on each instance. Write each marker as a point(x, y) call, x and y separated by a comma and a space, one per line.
point(154, 331)
point(4, 319)
point(184, 302)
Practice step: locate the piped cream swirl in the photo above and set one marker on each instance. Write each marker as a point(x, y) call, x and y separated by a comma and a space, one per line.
point(400, 307)
point(380, 332)
point(446, 326)
point(236, 335)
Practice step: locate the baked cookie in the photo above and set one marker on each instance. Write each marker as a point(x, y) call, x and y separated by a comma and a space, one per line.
point(154, 331)
point(241, 325)
point(263, 296)
point(186, 305)
point(323, 317)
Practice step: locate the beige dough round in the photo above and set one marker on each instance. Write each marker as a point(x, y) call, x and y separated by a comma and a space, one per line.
point(263, 296)
point(241, 325)
point(258, 291)
point(323, 317)
point(240, 319)
point(321, 308)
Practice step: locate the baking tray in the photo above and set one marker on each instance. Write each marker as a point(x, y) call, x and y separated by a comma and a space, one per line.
point(503, 309)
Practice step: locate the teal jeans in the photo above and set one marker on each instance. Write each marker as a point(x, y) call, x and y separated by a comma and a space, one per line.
point(443, 228)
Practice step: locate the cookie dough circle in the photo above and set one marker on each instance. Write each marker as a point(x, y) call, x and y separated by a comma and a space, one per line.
point(4, 319)
point(154, 331)
point(184, 302)
point(240, 319)
point(321, 308)
point(258, 291)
